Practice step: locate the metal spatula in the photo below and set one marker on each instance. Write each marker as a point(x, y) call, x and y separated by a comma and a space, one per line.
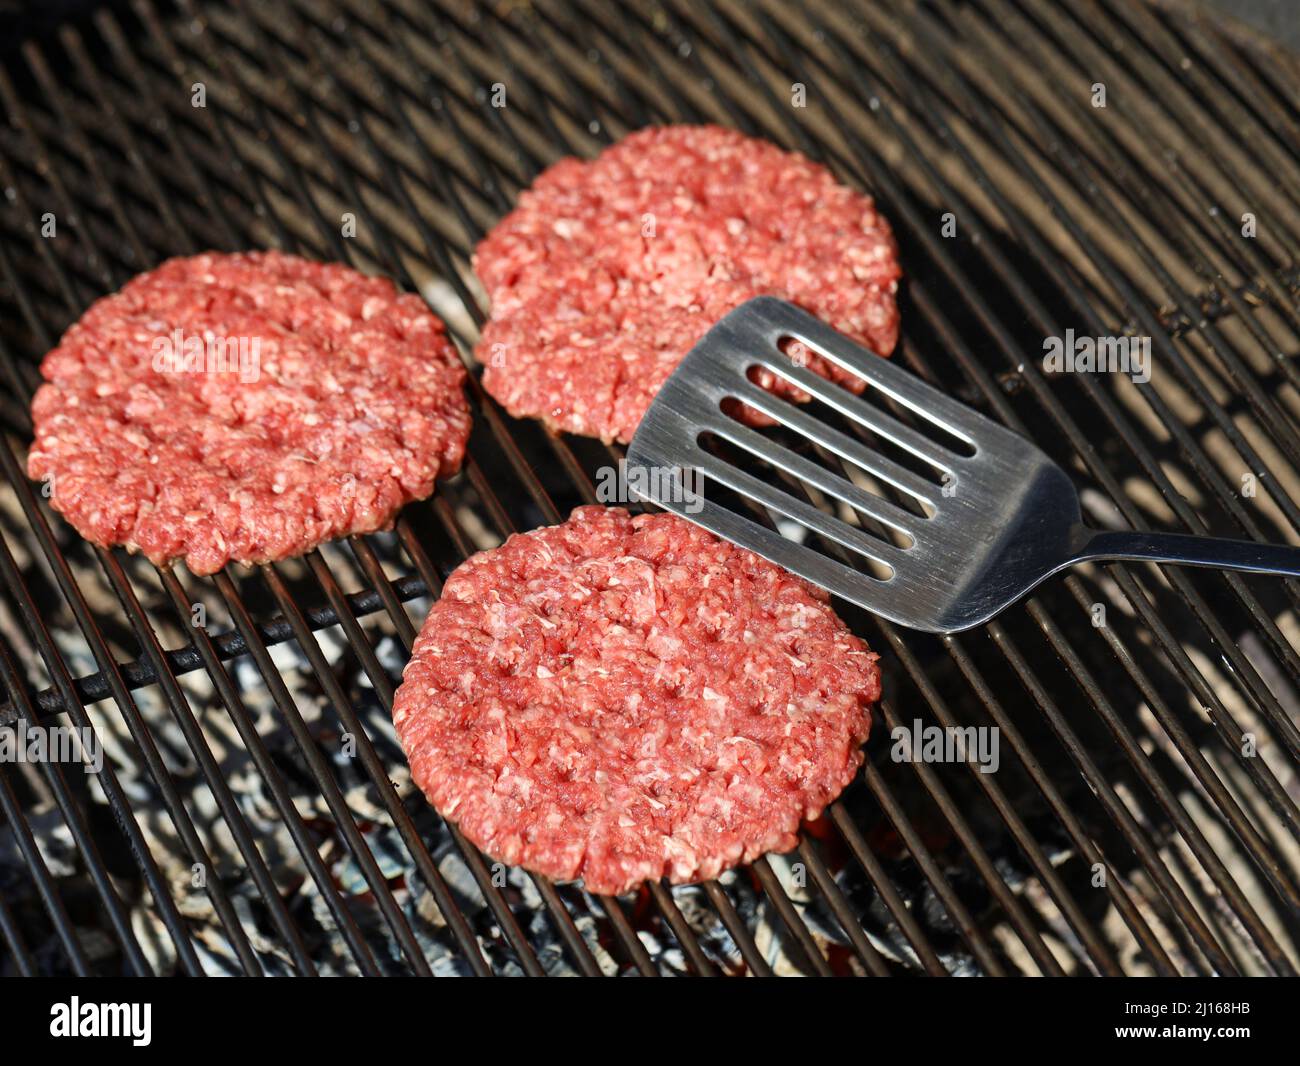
point(978, 515)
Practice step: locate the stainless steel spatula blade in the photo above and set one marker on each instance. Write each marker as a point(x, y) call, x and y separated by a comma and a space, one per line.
point(988, 514)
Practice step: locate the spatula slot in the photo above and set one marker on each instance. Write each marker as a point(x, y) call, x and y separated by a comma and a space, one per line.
point(889, 403)
point(775, 500)
point(847, 449)
point(828, 491)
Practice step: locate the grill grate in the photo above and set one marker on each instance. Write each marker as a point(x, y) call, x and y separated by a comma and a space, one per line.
point(255, 749)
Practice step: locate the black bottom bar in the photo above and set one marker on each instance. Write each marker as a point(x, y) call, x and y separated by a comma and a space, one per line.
point(1151, 1016)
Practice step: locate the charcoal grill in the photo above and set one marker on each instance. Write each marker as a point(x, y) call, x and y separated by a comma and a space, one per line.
point(254, 814)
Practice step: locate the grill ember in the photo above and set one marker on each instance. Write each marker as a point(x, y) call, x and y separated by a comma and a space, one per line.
point(254, 812)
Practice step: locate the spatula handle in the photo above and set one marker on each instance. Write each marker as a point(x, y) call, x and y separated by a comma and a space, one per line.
point(1217, 552)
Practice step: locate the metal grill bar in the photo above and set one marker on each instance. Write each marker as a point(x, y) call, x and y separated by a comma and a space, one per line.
point(234, 706)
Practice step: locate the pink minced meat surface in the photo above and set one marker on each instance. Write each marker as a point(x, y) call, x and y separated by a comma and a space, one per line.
point(609, 271)
point(351, 408)
point(620, 699)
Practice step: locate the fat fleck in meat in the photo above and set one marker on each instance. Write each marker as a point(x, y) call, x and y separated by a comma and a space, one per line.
point(619, 699)
point(609, 271)
point(246, 407)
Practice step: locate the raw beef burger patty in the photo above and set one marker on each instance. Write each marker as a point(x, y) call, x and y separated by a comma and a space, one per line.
point(346, 405)
point(609, 271)
point(621, 699)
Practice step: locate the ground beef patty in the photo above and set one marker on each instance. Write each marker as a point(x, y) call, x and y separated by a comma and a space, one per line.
point(609, 271)
point(621, 699)
point(246, 407)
